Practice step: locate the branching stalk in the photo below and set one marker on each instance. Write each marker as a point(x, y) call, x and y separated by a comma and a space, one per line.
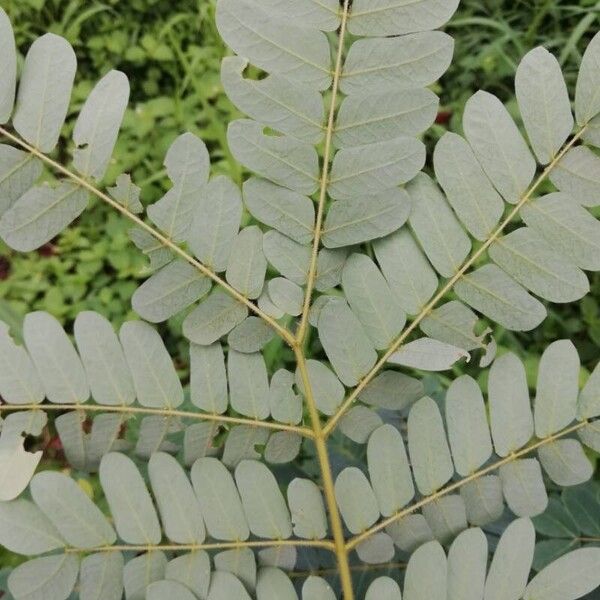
point(323, 544)
point(339, 541)
point(327, 479)
point(333, 421)
point(312, 271)
point(161, 412)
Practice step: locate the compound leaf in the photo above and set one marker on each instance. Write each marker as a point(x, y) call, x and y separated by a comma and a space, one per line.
point(523, 487)
point(169, 291)
point(531, 261)
point(565, 462)
point(215, 222)
point(55, 358)
point(274, 584)
point(104, 360)
point(154, 377)
point(498, 145)
point(567, 578)
point(389, 470)
point(44, 91)
point(587, 104)
point(383, 588)
point(101, 576)
point(510, 566)
point(576, 174)
point(45, 578)
point(372, 301)
point(168, 589)
point(467, 564)
point(323, 15)
point(391, 114)
point(492, 292)
point(446, 517)
point(288, 257)
point(283, 159)
point(375, 168)
point(130, 503)
point(224, 586)
point(409, 274)
point(178, 506)
point(557, 388)
point(392, 390)
point(389, 17)
point(511, 418)
point(359, 219)
point(428, 448)
point(17, 467)
point(26, 530)
point(436, 227)
point(453, 323)
point(356, 500)
point(567, 227)
point(247, 263)
point(71, 511)
point(307, 509)
point(128, 194)
point(316, 588)
point(428, 355)
point(264, 505)
point(193, 570)
point(327, 389)
point(98, 124)
point(544, 103)
point(286, 211)
point(468, 430)
point(41, 214)
point(19, 380)
point(345, 342)
point(399, 63)
point(188, 165)
point(248, 384)
point(213, 318)
point(286, 295)
point(276, 101)
point(275, 45)
point(219, 500)
point(470, 193)
point(8, 67)
point(18, 172)
point(426, 574)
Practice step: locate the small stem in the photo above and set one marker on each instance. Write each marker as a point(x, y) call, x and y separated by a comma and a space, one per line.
point(355, 541)
point(325, 544)
point(284, 333)
point(163, 412)
point(331, 424)
point(328, 486)
point(312, 271)
point(353, 568)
